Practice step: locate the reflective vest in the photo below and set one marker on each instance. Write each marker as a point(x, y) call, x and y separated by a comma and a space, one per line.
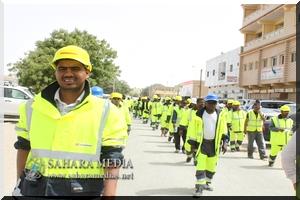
point(69, 146)
point(281, 137)
point(196, 128)
point(255, 122)
point(125, 110)
point(238, 120)
point(185, 114)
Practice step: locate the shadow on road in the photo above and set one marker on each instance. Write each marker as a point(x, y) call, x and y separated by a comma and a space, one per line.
point(170, 145)
point(166, 191)
point(141, 129)
point(265, 167)
point(176, 164)
point(233, 157)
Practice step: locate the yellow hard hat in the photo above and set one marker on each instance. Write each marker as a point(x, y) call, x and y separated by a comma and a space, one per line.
point(178, 98)
point(189, 100)
point(144, 97)
point(116, 95)
point(230, 101)
point(155, 96)
point(75, 53)
point(236, 103)
point(285, 108)
point(168, 99)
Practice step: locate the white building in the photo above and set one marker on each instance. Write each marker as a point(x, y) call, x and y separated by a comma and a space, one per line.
point(222, 75)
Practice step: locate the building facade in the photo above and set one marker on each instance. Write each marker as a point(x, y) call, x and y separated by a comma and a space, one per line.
point(192, 88)
point(268, 59)
point(222, 75)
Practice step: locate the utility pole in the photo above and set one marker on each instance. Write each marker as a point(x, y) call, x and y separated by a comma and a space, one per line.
point(200, 85)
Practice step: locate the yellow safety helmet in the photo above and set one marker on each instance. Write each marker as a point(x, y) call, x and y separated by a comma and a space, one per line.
point(144, 97)
point(178, 98)
point(155, 96)
point(116, 95)
point(236, 103)
point(168, 99)
point(189, 100)
point(230, 101)
point(75, 53)
point(285, 108)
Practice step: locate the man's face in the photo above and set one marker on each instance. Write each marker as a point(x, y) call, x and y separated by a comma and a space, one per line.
point(116, 101)
point(256, 107)
point(284, 113)
point(211, 105)
point(71, 74)
point(201, 104)
point(229, 105)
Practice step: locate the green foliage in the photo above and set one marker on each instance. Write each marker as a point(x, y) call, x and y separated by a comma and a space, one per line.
point(35, 71)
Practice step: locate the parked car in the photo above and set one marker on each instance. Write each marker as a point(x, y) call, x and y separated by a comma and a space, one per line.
point(12, 98)
point(246, 103)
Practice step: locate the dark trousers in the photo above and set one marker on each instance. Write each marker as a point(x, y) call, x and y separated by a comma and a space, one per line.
point(181, 133)
point(258, 138)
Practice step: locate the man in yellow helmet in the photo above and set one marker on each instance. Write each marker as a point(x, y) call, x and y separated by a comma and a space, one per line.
point(281, 132)
point(68, 139)
point(116, 99)
point(237, 126)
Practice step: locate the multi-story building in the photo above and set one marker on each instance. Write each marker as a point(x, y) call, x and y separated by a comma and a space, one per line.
point(268, 59)
point(222, 75)
point(192, 88)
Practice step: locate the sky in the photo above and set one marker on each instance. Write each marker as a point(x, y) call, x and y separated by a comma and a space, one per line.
point(157, 41)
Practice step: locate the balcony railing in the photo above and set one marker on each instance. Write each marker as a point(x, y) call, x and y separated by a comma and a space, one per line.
point(258, 13)
point(266, 38)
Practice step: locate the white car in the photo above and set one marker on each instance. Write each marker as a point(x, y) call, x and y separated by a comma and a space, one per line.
point(11, 99)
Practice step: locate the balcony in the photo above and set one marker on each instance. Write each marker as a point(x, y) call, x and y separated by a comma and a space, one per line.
point(267, 38)
point(266, 8)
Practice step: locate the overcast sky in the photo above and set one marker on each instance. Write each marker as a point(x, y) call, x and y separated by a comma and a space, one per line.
point(158, 41)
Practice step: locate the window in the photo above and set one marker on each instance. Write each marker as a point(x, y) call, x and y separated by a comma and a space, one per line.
point(258, 35)
point(207, 74)
point(265, 62)
point(250, 66)
point(214, 71)
point(15, 94)
point(281, 60)
point(231, 68)
point(273, 61)
point(293, 57)
point(245, 67)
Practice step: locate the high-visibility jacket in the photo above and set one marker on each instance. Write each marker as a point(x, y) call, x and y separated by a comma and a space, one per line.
point(281, 137)
point(68, 146)
point(196, 130)
point(185, 114)
point(170, 116)
point(237, 120)
point(255, 122)
point(125, 111)
point(177, 115)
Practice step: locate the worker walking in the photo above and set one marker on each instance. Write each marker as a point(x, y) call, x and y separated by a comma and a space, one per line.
point(207, 131)
point(145, 109)
point(183, 115)
point(176, 117)
point(154, 110)
point(237, 120)
point(116, 99)
point(165, 118)
point(281, 132)
point(191, 150)
point(64, 125)
point(254, 129)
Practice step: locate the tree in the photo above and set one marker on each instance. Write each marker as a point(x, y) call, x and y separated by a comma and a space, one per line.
point(34, 69)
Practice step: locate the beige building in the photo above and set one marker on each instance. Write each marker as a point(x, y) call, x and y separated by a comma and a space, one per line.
point(192, 88)
point(268, 59)
point(161, 90)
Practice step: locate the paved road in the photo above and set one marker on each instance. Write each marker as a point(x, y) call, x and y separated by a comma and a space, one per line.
point(157, 170)
point(160, 171)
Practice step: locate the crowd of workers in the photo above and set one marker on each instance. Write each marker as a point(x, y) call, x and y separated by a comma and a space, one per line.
point(66, 132)
point(206, 130)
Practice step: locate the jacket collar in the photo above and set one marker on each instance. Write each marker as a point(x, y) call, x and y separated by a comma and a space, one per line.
point(49, 92)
